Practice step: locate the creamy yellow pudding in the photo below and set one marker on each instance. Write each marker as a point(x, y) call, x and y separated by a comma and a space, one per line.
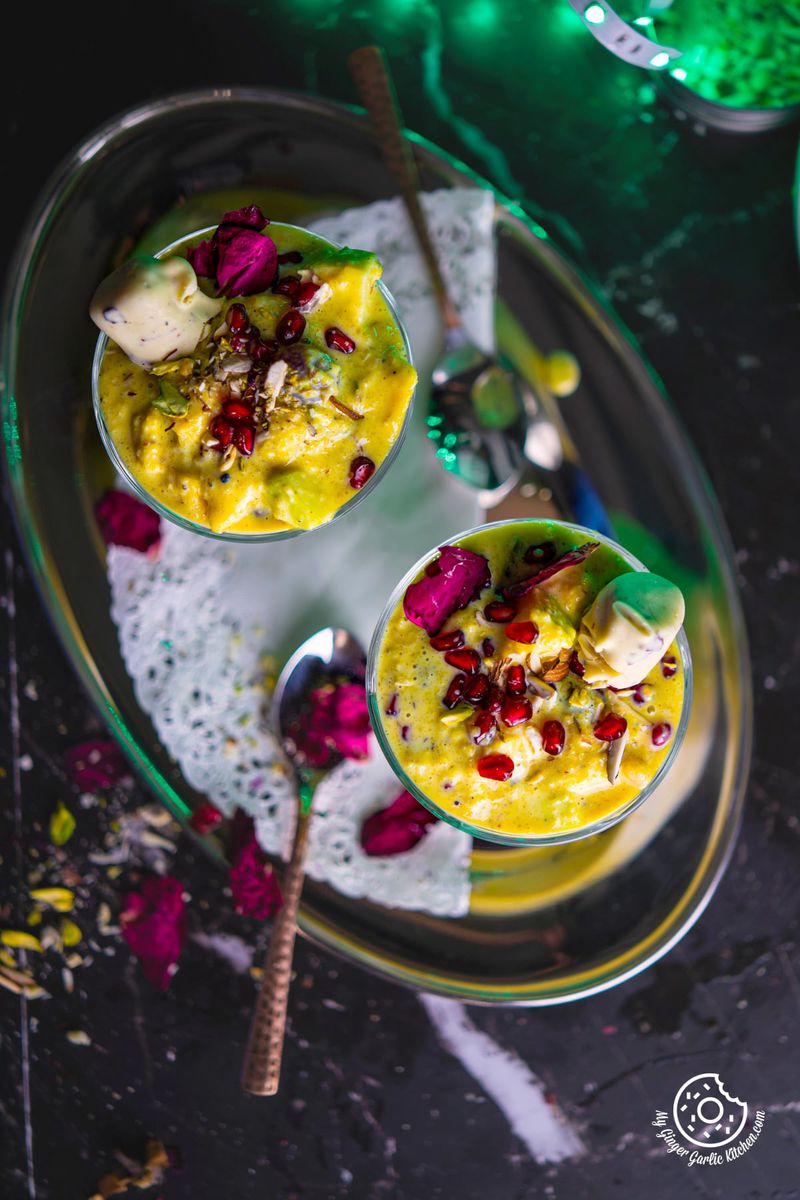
point(253, 411)
point(530, 709)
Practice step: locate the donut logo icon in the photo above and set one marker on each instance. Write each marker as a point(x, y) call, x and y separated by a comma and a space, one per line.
point(706, 1114)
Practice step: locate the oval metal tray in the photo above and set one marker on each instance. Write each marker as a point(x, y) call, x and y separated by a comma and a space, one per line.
point(545, 925)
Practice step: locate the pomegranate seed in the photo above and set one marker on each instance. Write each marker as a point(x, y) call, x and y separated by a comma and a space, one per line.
point(637, 695)
point(487, 647)
point(361, 469)
point(234, 410)
point(237, 318)
point(240, 342)
point(205, 817)
point(290, 327)
point(575, 665)
point(433, 568)
point(500, 612)
point(305, 294)
point(337, 340)
point(496, 766)
point(542, 554)
point(455, 691)
point(669, 666)
point(453, 639)
point(244, 439)
point(484, 729)
point(661, 734)
point(468, 661)
point(222, 430)
point(610, 727)
point(259, 350)
point(391, 707)
point(515, 710)
point(522, 631)
point(553, 737)
point(494, 701)
point(405, 730)
point(516, 684)
point(288, 286)
point(477, 689)
point(291, 256)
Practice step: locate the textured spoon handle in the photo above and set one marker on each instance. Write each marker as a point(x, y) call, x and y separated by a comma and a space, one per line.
point(262, 1063)
point(370, 74)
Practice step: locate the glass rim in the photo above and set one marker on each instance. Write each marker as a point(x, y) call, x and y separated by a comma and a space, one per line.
point(141, 492)
point(478, 831)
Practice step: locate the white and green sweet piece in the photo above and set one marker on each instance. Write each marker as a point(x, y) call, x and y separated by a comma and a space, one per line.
point(628, 628)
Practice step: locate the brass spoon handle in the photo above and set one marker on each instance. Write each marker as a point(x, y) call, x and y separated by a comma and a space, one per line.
point(370, 74)
point(262, 1062)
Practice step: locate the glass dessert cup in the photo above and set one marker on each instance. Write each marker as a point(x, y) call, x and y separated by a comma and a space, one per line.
point(534, 528)
point(138, 488)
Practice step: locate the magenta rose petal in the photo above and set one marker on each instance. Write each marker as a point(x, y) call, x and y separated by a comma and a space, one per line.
point(461, 576)
point(125, 521)
point(247, 261)
point(96, 765)
point(250, 217)
point(255, 889)
point(396, 829)
point(203, 258)
point(570, 558)
point(154, 926)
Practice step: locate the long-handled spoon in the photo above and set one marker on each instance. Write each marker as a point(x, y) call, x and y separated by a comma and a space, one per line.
point(465, 379)
point(491, 426)
point(329, 656)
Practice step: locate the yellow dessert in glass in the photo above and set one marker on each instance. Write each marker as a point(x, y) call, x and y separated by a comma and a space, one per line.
point(253, 380)
point(530, 682)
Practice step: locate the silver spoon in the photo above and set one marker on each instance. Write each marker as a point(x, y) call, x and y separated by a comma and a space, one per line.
point(468, 385)
point(329, 656)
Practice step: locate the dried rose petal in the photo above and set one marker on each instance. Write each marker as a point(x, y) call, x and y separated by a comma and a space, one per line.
point(205, 817)
point(339, 722)
point(396, 829)
point(570, 558)
point(203, 258)
point(96, 765)
point(241, 259)
point(255, 889)
point(247, 261)
point(250, 217)
point(154, 926)
point(125, 521)
point(462, 575)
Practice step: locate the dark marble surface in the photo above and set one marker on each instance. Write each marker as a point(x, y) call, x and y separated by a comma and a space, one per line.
point(692, 238)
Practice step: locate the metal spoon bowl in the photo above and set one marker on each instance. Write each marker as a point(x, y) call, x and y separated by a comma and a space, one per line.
point(329, 656)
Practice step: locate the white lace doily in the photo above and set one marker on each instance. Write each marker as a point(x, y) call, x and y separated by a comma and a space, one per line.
point(195, 622)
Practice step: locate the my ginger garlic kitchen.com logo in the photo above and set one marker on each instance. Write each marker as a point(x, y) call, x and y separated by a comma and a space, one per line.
point(707, 1126)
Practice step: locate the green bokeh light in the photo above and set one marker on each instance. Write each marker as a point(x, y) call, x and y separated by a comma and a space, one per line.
point(659, 60)
point(595, 14)
point(480, 15)
point(678, 74)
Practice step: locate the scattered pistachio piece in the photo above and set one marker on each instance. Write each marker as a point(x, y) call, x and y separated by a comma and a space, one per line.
point(59, 898)
point(62, 825)
point(20, 940)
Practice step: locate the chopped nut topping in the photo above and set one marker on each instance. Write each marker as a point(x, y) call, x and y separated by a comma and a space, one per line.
point(556, 671)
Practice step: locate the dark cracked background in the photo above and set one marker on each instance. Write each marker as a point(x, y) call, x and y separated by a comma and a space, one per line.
point(692, 238)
